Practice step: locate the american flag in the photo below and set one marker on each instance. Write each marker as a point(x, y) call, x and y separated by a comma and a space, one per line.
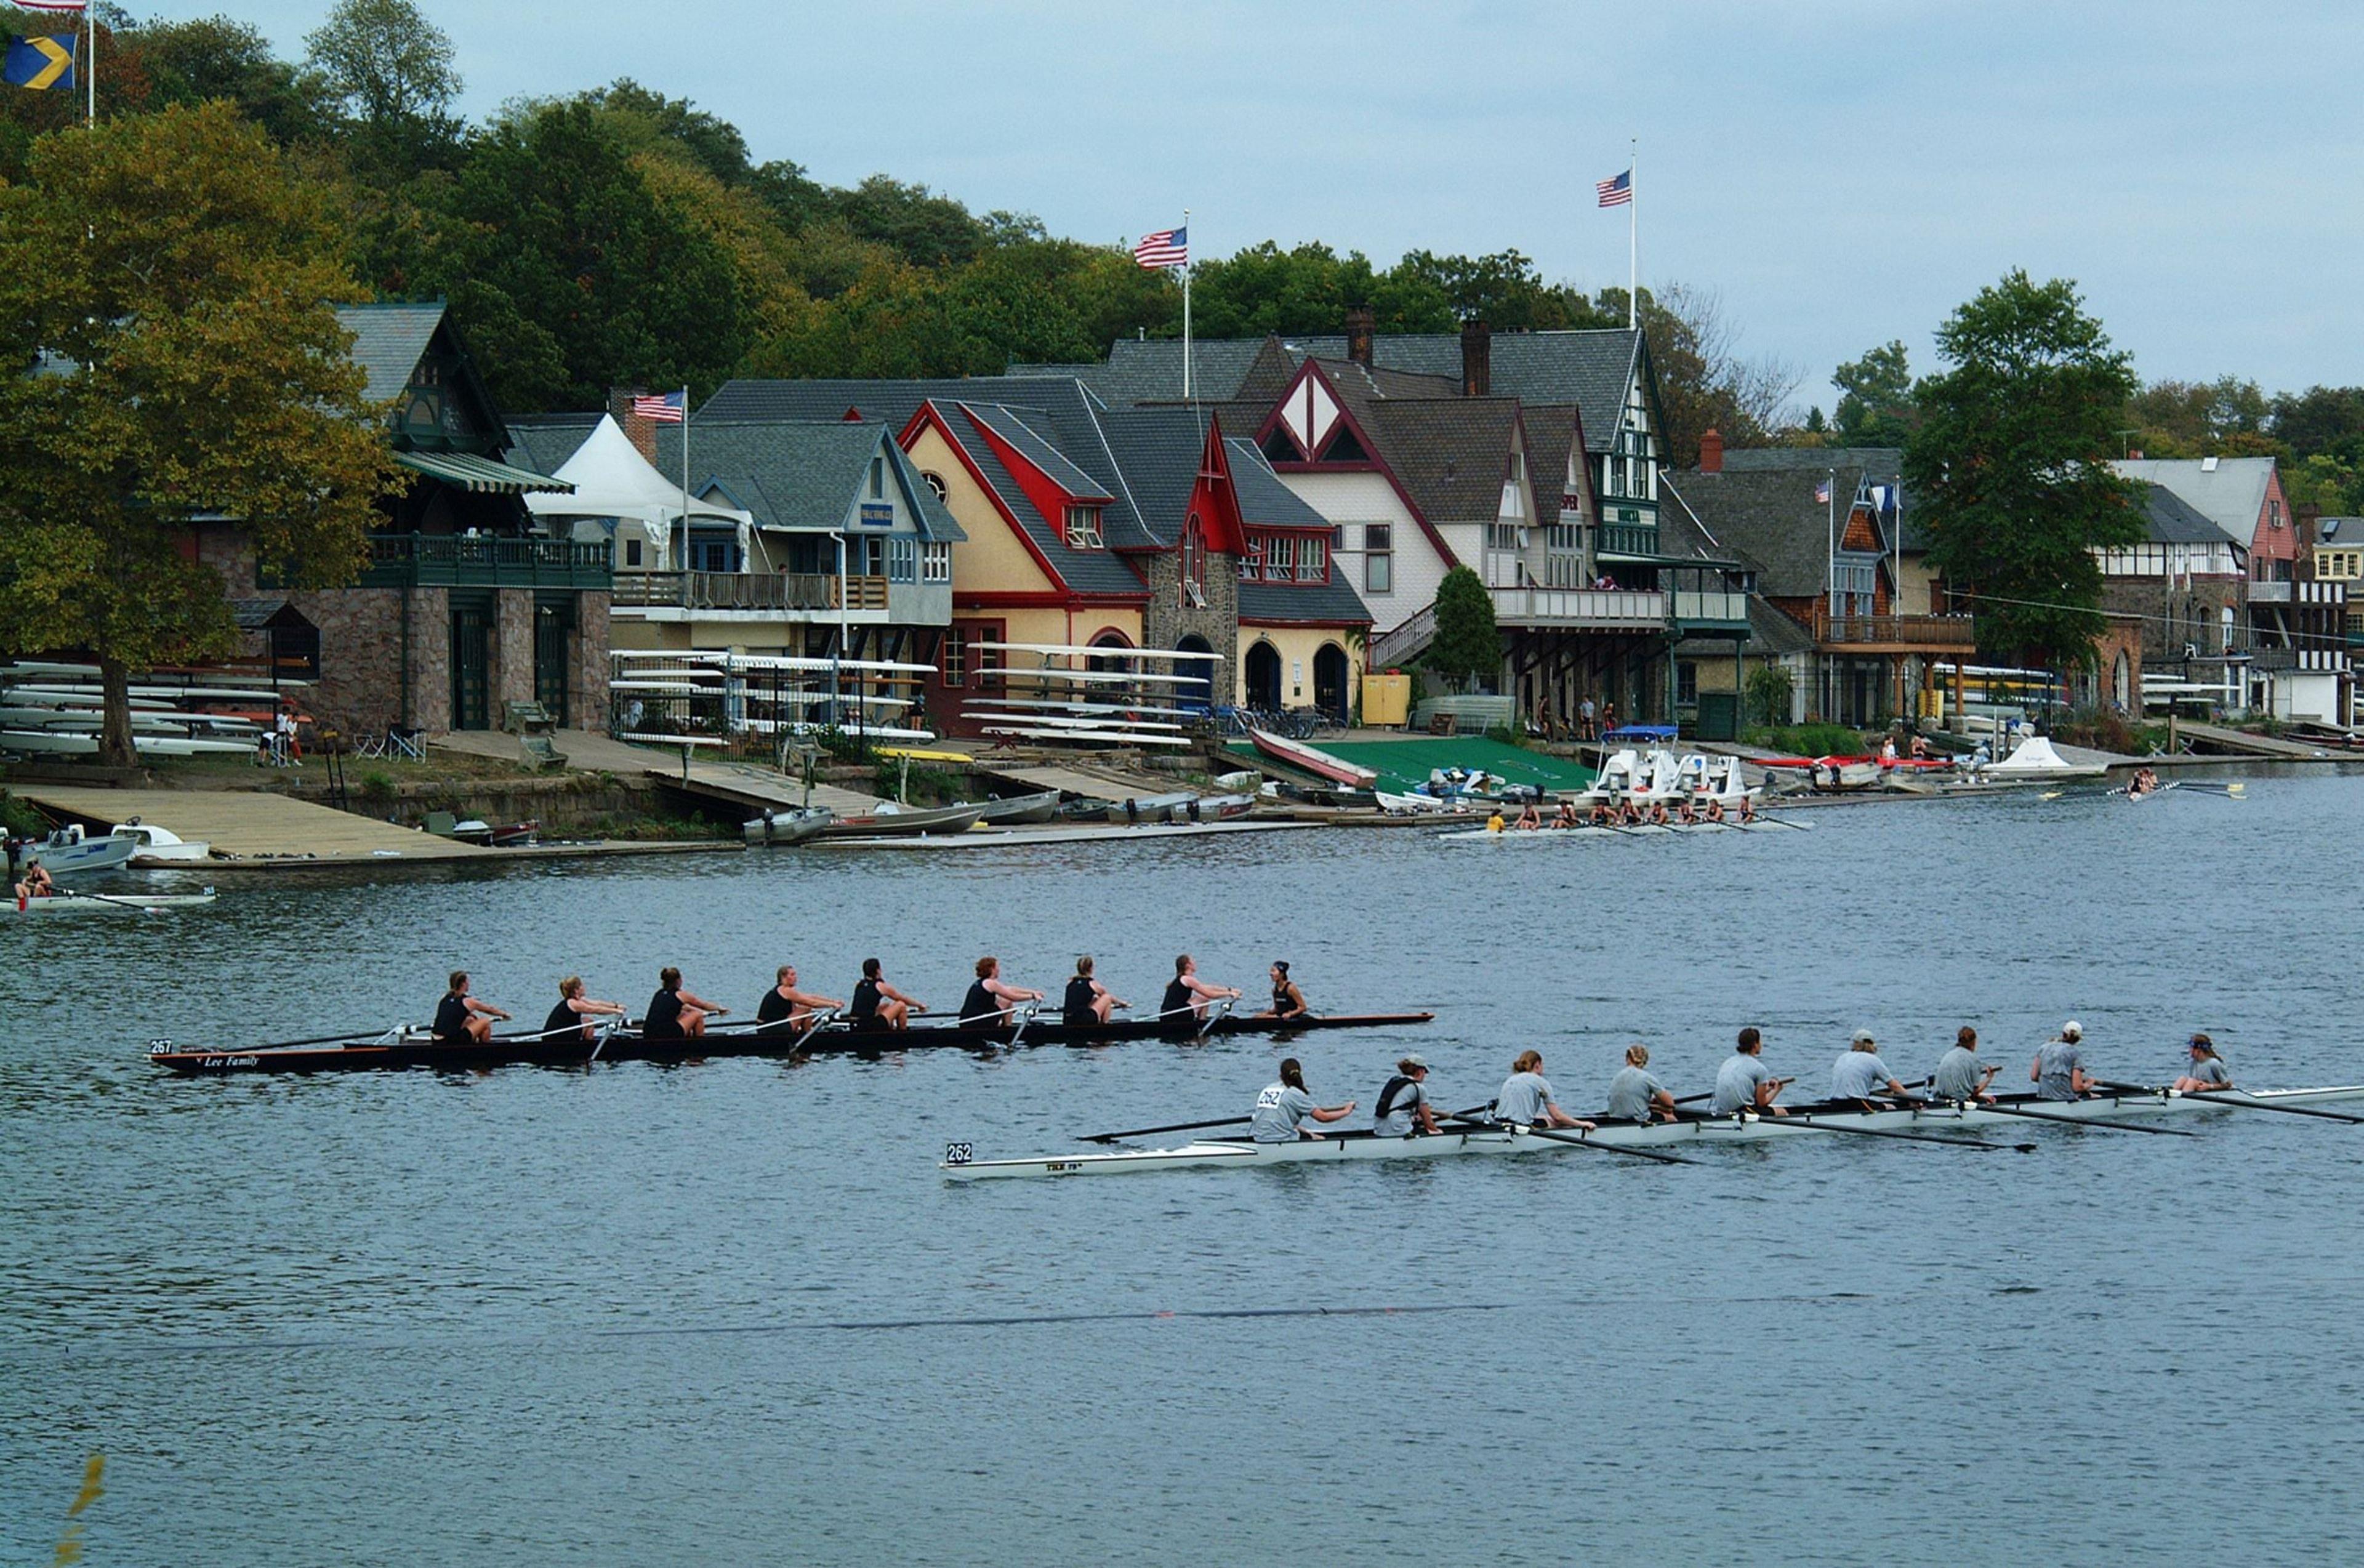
point(669, 409)
point(56, 8)
point(1617, 192)
point(1167, 248)
point(1823, 493)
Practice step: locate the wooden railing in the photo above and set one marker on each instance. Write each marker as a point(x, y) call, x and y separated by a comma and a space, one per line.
point(1605, 608)
point(399, 561)
point(781, 591)
point(1940, 631)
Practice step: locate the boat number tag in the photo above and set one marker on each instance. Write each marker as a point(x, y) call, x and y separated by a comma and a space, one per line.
point(158, 1046)
point(959, 1153)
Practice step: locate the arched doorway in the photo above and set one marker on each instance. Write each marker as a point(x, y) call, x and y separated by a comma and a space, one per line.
point(1329, 683)
point(1196, 690)
point(2122, 683)
point(1262, 670)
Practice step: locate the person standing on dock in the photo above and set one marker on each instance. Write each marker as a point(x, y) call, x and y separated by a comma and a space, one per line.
point(1961, 1077)
point(1635, 1094)
point(1527, 1100)
point(877, 1004)
point(2058, 1072)
point(1860, 1074)
point(1281, 1108)
point(1088, 1001)
point(990, 1000)
point(461, 1018)
point(2208, 1075)
point(1744, 1083)
point(784, 1004)
point(575, 1011)
point(676, 1014)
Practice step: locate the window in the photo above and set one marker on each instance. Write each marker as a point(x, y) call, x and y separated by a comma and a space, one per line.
point(1252, 560)
point(1194, 561)
point(714, 555)
point(877, 478)
point(955, 656)
point(1507, 537)
point(1686, 682)
point(936, 561)
point(1280, 557)
point(935, 482)
point(902, 559)
point(1379, 558)
point(1313, 560)
point(632, 553)
point(2273, 514)
point(1084, 527)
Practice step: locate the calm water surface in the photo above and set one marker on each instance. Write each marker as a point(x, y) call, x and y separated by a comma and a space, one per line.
point(730, 1313)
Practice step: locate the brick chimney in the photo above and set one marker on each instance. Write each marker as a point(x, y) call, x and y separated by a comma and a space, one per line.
point(1360, 324)
point(640, 431)
point(1712, 452)
point(1476, 360)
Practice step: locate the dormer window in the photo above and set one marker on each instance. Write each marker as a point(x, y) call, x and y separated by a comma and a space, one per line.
point(1084, 528)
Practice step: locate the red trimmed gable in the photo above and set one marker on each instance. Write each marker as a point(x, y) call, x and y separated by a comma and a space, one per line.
point(1213, 499)
point(928, 417)
point(1326, 434)
point(1051, 499)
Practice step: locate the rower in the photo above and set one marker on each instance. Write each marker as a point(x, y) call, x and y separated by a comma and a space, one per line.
point(1288, 1001)
point(877, 1004)
point(1685, 812)
point(1528, 817)
point(2208, 1073)
point(1281, 1108)
point(1526, 1099)
point(1960, 1077)
point(1087, 1001)
point(1187, 994)
point(1566, 815)
point(991, 1000)
point(1603, 814)
point(1860, 1074)
point(37, 882)
point(676, 1014)
point(784, 1004)
point(1744, 1083)
point(575, 1011)
point(1747, 809)
point(2058, 1071)
point(1714, 809)
point(1657, 813)
point(461, 1019)
point(1634, 1093)
point(1404, 1108)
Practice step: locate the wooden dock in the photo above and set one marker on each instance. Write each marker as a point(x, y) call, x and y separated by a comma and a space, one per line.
point(253, 825)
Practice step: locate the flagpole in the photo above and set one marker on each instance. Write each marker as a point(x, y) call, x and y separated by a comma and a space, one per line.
point(1186, 307)
point(1633, 235)
point(90, 29)
point(685, 482)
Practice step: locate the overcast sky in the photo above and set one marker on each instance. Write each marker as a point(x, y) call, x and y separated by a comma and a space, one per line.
point(1840, 171)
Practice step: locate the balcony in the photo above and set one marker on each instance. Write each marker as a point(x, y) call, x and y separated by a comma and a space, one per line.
point(777, 593)
point(1637, 540)
point(1581, 609)
point(1710, 610)
point(482, 561)
point(2270, 593)
point(1896, 634)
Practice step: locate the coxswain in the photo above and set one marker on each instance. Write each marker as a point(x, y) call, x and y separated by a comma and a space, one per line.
point(1494, 820)
point(1961, 1077)
point(1859, 1074)
point(1526, 1099)
point(1186, 993)
point(1528, 817)
point(461, 1019)
point(1635, 1094)
point(784, 1004)
point(676, 1014)
point(991, 1000)
point(1281, 1108)
point(2208, 1075)
point(1088, 1001)
point(877, 1004)
point(2058, 1070)
point(1288, 1001)
point(575, 1011)
point(36, 884)
point(1744, 1083)
point(1404, 1108)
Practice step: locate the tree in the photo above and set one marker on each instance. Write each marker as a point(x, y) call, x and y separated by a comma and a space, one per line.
point(2182, 419)
point(2011, 465)
point(1468, 646)
point(2313, 420)
point(391, 71)
point(216, 57)
point(166, 310)
point(1770, 692)
point(1704, 382)
point(1874, 406)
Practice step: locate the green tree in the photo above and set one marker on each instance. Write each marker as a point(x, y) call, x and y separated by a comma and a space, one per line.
point(1263, 288)
point(2226, 416)
point(2313, 420)
point(1770, 692)
point(218, 56)
point(166, 304)
point(390, 71)
point(1468, 646)
point(1875, 406)
point(2011, 466)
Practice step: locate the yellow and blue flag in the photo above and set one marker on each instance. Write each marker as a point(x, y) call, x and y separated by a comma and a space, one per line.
point(38, 63)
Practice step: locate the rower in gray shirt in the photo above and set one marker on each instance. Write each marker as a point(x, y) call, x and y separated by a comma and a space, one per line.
point(1960, 1075)
point(1527, 1100)
point(1281, 1107)
point(2207, 1073)
point(1404, 1106)
point(2058, 1071)
point(1860, 1074)
point(1634, 1095)
point(1740, 1082)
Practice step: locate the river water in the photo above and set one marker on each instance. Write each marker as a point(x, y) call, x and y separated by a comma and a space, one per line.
point(730, 1313)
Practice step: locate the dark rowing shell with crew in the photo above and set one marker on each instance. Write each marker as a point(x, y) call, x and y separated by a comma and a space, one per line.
point(417, 1048)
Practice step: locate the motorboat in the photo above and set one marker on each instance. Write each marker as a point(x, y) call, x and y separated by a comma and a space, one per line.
point(1702, 777)
point(1011, 810)
point(1639, 777)
point(159, 846)
point(793, 826)
point(69, 851)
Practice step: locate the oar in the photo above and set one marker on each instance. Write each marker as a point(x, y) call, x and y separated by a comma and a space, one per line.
point(2219, 1099)
point(825, 1015)
point(2232, 790)
point(599, 1037)
point(2080, 1121)
point(1146, 1131)
point(1025, 1012)
point(1806, 1120)
point(144, 907)
point(1577, 1140)
point(362, 1036)
point(1214, 1013)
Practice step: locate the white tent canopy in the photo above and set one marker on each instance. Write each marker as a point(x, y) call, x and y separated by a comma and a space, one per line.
point(615, 486)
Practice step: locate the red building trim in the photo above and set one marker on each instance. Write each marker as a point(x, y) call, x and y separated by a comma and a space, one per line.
point(1378, 464)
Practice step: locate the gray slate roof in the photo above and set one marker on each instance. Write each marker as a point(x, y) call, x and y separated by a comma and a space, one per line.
point(795, 474)
point(1856, 465)
point(1590, 369)
point(388, 340)
point(2230, 491)
point(1767, 516)
point(2170, 519)
point(543, 442)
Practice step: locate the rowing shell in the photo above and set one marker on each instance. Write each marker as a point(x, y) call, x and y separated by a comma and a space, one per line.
point(961, 1164)
point(416, 1048)
point(1589, 830)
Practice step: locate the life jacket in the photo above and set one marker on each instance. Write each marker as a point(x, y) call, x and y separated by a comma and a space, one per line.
point(1394, 1086)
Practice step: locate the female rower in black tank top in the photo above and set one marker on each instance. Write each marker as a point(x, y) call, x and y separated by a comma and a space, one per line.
point(1089, 1003)
point(675, 1013)
point(462, 1020)
point(784, 1004)
point(991, 1001)
point(1288, 1001)
point(877, 1004)
point(574, 1010)
point(1184, 1007)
